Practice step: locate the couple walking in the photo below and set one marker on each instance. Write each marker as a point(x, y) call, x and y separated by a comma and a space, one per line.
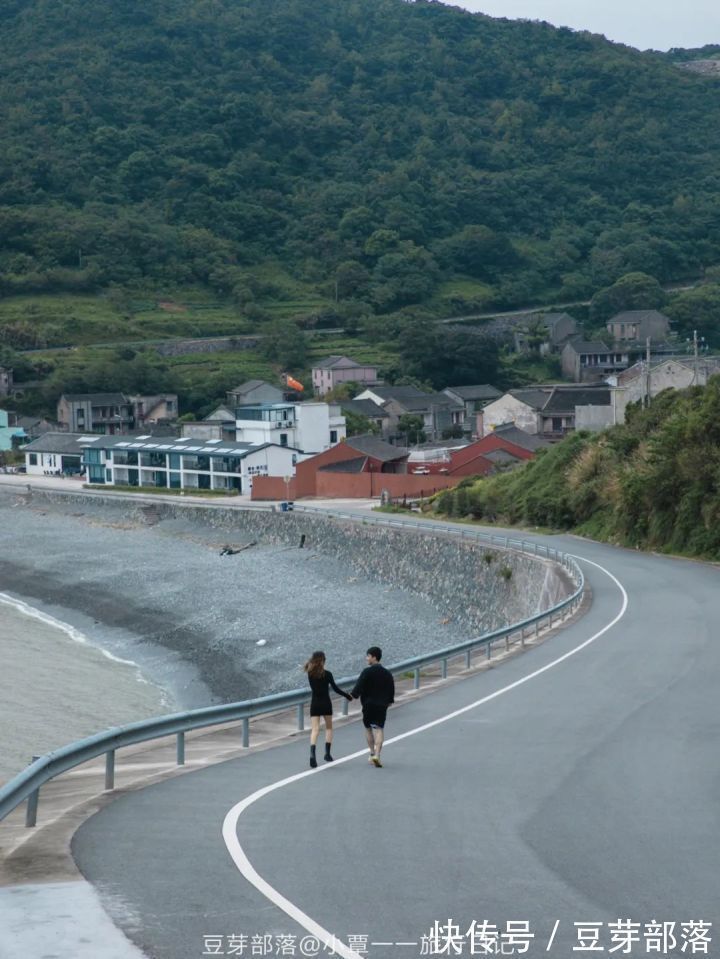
point(375, 689)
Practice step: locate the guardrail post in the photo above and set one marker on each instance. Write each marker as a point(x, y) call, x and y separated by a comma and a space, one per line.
point(488, 647)
point(246, 731)
point(507, 642)
point(181, 749)
point(109, 770)
point(416, 679)
point(32, 804)
point(443, 672)
point(345, 707)
point(522, 637)
point(31, 810)
point(468, 659)
point(300, 717)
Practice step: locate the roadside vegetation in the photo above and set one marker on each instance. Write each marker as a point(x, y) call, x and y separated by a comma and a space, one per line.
point(652, 483)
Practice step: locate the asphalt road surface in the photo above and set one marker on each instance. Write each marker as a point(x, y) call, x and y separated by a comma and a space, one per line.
point(582, 788)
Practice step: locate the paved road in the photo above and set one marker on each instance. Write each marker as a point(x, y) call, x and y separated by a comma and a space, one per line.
point(588, 793)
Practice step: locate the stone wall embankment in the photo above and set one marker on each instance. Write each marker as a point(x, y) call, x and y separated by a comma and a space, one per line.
point(476, 586)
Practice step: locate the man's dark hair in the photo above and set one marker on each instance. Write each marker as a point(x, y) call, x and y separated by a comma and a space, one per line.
point(375, 651)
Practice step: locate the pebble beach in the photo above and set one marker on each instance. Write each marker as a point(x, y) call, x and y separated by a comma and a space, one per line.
point(125, 620)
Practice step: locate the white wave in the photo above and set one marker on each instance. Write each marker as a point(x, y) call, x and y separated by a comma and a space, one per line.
point(75, 634)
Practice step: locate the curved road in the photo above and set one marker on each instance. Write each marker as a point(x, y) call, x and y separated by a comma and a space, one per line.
point(580, 788)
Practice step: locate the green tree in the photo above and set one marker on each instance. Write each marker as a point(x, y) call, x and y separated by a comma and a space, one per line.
point(284, 344)
point(410, 426)
point(634, 291)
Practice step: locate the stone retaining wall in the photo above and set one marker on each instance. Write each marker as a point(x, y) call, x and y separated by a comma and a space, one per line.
point(479, 587)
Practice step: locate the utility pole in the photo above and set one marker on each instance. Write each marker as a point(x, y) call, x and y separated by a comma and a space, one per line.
point(647, 371)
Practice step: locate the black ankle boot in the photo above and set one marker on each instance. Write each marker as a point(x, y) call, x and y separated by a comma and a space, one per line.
point(328, 757)
point(313, 760)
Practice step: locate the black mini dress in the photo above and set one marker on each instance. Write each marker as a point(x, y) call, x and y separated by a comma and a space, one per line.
point(320, 704)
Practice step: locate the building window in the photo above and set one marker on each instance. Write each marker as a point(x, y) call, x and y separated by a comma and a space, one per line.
point(557, 424)
point(33, 459)
point(283, 439)
point(333, 436)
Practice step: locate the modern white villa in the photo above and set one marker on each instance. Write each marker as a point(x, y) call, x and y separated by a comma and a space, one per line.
point(311, 427)
point(163, 461)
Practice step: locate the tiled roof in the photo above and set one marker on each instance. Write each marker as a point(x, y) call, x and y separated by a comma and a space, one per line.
point(591, 346)
point(426, 402)
point(363, 408)
point(399, 393)
point(249, 385)
point(637, 316)
point(513, 434)
point(97, 399)
point(481, 392)
point(534, 398)
point(565, 400)
point(338, 363)
point(377, 448)
point(58, 443)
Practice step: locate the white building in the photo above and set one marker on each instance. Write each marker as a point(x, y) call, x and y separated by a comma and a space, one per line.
point(643, 381)
point(56, 454)
point(310, 427)
point(183, 463)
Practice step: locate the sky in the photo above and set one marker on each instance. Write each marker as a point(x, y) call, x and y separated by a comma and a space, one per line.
point(646, 24)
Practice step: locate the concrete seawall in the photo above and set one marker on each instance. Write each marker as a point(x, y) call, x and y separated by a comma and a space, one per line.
point(476, 586)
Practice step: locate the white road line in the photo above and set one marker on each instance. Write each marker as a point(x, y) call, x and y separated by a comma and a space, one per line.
point(230, 824)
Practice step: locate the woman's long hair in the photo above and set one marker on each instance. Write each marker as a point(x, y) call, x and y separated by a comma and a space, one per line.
point(315, 666)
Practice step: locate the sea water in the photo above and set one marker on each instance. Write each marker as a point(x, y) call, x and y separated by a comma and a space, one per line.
point(56, 687)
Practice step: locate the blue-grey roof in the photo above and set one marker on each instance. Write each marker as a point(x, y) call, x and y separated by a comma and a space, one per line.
point(172, 444)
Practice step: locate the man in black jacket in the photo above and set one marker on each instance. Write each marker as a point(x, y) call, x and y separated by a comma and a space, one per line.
point(376, 691)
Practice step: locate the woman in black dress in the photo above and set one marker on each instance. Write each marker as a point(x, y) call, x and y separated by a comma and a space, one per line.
point(321, 680)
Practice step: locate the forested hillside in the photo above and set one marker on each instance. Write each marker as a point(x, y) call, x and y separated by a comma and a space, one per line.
point(653, 482)
point(369, 149)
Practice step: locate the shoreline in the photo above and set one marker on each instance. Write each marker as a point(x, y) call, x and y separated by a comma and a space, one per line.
point(205, 627)
point(57, 686)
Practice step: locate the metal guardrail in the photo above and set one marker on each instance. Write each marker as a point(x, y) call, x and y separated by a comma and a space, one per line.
point(26, 785)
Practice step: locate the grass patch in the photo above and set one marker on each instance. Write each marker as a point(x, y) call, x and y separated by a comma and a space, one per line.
point(164, 490)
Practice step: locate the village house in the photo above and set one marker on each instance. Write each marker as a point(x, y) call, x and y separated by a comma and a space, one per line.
point(111, 413)
point(151, 410)
point(310, 427)
point(586, 361)
point(638, 326)
point(56, 454)
point(642, 382)
point(440, 414)
point(473, 399)
point(378, 416)
point(33, 426)
point(341, 369)
point(253, 392)
point(550, 411)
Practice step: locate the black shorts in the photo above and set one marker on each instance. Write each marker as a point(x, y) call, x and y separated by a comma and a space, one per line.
point(321, 707)
point(374, 716)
